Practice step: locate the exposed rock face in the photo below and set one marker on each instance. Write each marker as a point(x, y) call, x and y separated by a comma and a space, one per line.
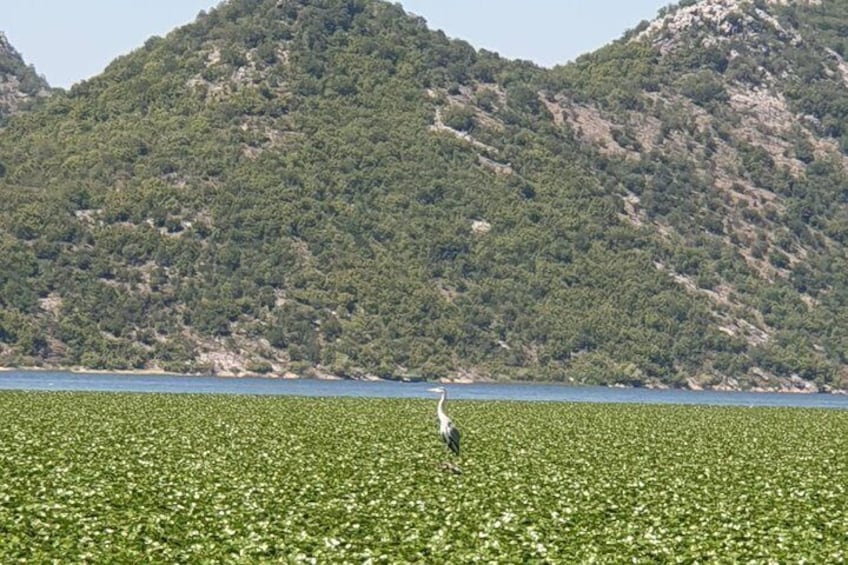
point(19, 83)
point(721, 18)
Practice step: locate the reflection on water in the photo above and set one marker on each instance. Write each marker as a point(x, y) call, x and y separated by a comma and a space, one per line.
point(45, 380)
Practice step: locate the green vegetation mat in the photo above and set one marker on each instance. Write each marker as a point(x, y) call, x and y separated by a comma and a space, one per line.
point(176, 478)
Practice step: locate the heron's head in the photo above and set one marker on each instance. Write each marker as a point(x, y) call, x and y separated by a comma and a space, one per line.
point(438, 389)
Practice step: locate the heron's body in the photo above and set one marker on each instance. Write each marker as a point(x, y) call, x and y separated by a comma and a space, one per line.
point(448, 432)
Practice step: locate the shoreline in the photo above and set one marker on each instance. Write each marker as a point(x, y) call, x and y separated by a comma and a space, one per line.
point(84, 371)
point(459, 380)
point(164, 373)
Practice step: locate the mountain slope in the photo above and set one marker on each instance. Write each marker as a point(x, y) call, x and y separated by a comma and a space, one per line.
point(330, 187)
point(19, 83)
point(726, 133)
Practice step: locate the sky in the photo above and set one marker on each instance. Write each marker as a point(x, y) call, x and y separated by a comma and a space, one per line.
point(71, 40)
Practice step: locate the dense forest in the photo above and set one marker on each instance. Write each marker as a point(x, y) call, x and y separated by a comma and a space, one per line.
point(328, 187)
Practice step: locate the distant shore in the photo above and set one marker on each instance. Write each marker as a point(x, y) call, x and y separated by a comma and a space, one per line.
point(318, 376)
point(81, 370)
point(164, 373)
point(786, 388)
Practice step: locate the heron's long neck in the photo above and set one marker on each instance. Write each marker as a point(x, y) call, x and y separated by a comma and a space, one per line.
point(440, 409)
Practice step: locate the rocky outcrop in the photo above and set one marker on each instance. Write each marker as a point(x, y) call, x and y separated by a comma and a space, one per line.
point(19, 83)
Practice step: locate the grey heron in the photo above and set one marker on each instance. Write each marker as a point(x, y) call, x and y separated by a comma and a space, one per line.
point(449, 432)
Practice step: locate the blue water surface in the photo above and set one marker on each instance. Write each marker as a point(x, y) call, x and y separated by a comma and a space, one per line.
point(64, 381)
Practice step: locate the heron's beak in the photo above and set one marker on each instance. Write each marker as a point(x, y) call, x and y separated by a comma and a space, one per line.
point(433, 390)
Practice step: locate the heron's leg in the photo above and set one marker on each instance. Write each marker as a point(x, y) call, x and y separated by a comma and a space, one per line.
point(450, 467)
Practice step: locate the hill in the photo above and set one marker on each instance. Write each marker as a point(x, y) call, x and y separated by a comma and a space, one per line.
point(19, 83)
point(328, 187)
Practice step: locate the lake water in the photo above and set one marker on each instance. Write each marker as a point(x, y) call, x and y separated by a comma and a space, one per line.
point(62, 381)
